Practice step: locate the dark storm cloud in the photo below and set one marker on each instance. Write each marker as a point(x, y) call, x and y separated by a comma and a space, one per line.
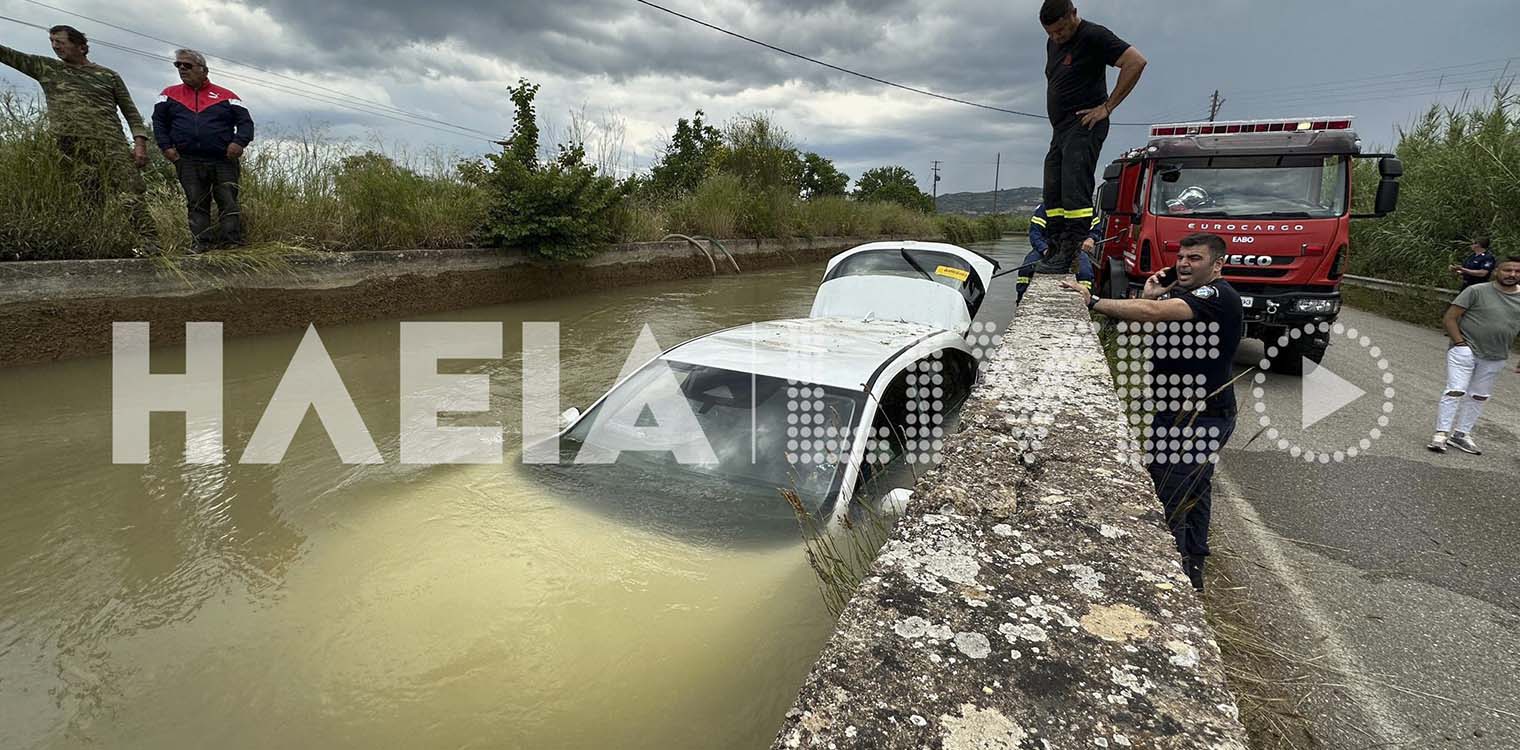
point(438, 58)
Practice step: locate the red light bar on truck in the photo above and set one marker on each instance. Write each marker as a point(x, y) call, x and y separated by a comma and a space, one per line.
point(1227, 127)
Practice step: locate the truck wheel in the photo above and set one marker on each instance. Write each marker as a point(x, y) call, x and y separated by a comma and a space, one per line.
point(1290, 358)
point(1115, 280)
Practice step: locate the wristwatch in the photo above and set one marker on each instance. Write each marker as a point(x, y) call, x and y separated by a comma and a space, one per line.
point(1091, 301)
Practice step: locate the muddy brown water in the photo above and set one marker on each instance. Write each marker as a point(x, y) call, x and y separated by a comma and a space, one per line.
point(317, 604)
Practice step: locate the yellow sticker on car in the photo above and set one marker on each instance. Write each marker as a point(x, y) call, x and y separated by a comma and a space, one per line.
point(954, 273)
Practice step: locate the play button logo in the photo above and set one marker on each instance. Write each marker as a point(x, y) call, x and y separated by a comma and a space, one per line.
point(1324, 393)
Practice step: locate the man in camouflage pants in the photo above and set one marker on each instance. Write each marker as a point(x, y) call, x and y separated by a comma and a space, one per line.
point(82, 102)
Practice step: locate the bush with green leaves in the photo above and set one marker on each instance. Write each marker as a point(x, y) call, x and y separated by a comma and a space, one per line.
point(760, 154)
point(559, 208)
point(821, 179)
point(893, 184)
point(686, 161)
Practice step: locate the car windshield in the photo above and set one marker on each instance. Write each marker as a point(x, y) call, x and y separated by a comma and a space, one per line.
point(941, 268)
point(755, 425)
point(1251, 187)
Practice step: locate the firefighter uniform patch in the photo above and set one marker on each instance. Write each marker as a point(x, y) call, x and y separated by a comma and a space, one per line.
point(1205, 292)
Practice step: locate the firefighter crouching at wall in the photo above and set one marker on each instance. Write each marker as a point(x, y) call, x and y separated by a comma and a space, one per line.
point(1040, 240)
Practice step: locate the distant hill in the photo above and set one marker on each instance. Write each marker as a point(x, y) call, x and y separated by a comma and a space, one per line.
point(1020, 200)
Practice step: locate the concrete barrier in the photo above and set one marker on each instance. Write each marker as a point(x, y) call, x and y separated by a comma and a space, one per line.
point(51, 310)
point(1031, 596)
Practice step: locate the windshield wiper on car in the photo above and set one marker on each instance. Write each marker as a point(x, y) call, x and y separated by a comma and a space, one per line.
point(915, 264)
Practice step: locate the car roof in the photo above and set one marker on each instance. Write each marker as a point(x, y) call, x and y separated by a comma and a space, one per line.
point(839, 352)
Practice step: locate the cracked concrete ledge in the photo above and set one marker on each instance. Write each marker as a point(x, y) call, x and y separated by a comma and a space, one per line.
point(1030, 597)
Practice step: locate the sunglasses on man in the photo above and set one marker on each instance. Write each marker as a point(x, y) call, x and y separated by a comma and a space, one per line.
point(183, 65)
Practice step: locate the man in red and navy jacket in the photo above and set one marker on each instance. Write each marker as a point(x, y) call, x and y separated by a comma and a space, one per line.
point(203, 128)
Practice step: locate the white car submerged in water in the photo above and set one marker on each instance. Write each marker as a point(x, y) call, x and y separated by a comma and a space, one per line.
point(843, 409)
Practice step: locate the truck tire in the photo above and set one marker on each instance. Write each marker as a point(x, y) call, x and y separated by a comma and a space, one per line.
point(1290, 358)
point(1115, 279)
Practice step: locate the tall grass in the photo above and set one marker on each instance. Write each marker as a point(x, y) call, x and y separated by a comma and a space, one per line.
point(305, 191)
point(43, 211)
point(1461, 180)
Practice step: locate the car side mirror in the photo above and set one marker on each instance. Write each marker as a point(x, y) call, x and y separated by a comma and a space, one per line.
point(568, 417)
point(896, 501)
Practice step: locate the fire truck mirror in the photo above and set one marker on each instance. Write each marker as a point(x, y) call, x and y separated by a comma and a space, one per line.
point(1170, 172)
point(1108, 196)
point(1387, 196)
point(1389, 166)
point(1112, 171)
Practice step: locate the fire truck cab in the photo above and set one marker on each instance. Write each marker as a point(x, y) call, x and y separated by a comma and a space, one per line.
point(1277, 191)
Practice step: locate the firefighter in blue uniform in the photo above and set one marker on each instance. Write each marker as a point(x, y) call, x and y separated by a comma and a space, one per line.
point(1040, 238)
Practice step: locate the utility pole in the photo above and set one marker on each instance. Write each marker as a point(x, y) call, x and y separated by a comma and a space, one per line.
point(997, 171)
point(936, 185)
point(1214, 104)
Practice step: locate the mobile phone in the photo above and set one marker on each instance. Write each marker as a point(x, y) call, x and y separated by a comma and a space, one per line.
point(1168, 276)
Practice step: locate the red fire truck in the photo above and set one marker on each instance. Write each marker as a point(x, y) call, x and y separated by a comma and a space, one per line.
point(1277, 191)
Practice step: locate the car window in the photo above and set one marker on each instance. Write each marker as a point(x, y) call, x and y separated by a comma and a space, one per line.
point(941, 268)
point(918, 408)
point(766, 433)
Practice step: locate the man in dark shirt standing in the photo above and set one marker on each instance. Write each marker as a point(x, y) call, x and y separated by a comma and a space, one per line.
point(1076, 97)
point(1478, 267)
point(1192, 328)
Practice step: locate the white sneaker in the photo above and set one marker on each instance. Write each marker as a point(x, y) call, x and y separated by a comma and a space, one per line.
point(1465, 443)
point(1438, 443)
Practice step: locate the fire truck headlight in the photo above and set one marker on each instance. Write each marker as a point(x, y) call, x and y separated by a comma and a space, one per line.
point(1315, 306)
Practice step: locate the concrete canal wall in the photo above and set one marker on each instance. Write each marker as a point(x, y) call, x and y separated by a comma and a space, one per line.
point(1031, 596)
point(51, 310)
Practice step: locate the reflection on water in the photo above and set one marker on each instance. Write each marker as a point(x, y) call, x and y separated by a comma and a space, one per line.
point(316, 604)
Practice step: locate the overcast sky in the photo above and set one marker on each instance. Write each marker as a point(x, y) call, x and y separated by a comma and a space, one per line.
point(451, 60)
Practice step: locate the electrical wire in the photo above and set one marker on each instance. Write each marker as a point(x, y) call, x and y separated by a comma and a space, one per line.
point(274, 86)
point(354, 97)
point(1309, 86)
point(847, 71)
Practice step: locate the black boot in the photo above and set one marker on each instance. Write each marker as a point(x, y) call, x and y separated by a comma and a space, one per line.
point(1193, 566)
point(1058, 259)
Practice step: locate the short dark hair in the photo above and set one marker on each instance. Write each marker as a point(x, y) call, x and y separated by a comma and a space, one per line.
point(75, 35)
point(1054, 10)
point(1511, 259)
point(1481, 242)
point(1213, 242)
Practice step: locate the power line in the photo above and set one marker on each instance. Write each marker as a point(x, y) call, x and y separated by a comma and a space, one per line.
point(277, 87)
point(1302, 87)
point(1472, 76)
point(355, 97)
point(857, 74)
point(1418, 89)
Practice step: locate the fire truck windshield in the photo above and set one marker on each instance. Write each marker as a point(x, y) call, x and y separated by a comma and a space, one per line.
point(1251, 187)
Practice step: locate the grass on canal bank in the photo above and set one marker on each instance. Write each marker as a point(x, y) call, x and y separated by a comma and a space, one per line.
point(305, 191)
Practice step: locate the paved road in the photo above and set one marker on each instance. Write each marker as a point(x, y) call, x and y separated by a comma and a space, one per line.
point(1395, 574)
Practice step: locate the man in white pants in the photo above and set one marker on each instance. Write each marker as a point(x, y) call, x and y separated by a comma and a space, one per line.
point(1482, 322)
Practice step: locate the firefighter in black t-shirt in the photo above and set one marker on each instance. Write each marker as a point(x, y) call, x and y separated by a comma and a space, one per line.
point(1077, 57)
point(1190, 330)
